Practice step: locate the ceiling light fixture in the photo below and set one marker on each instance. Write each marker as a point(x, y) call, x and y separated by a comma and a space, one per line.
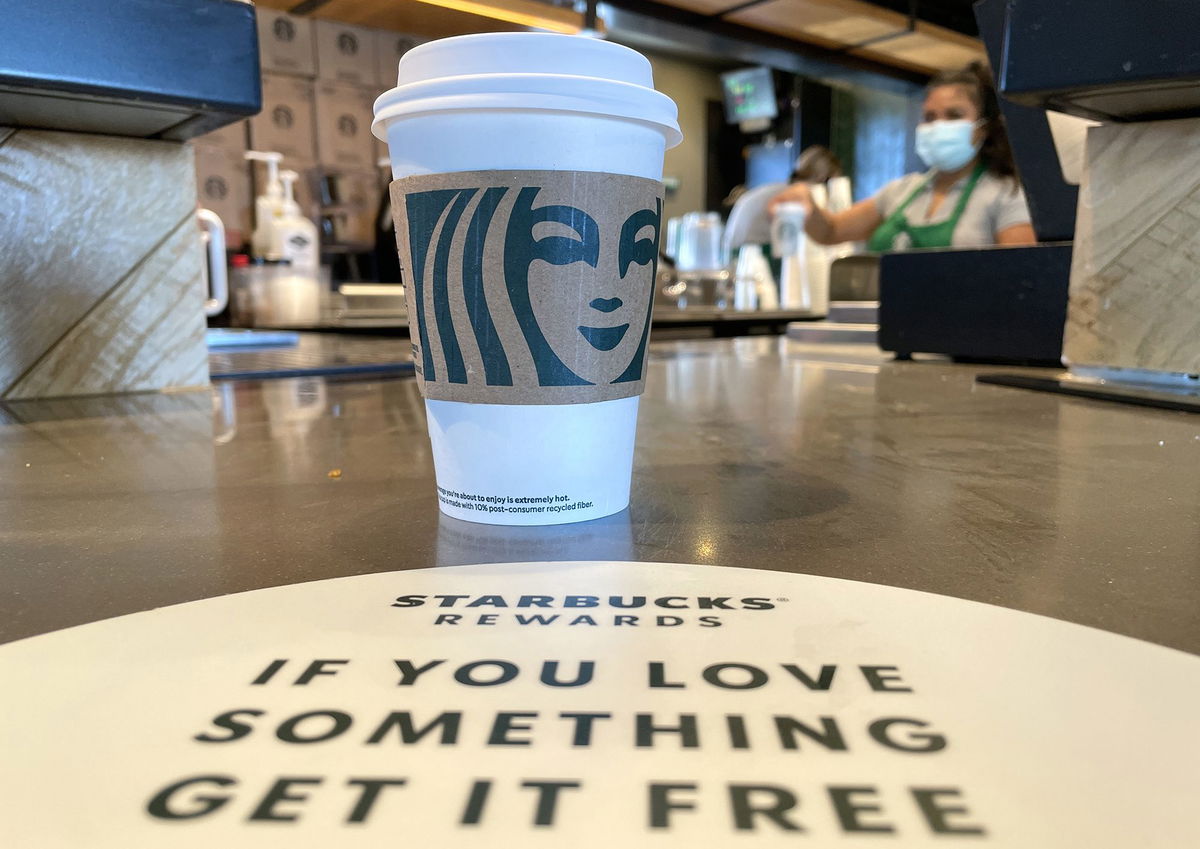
point(522, 12)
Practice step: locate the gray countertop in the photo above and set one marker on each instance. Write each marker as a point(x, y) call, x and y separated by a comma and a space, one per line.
point(753, 452)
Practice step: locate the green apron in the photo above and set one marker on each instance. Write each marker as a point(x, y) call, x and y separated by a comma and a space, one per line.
point(928, 235)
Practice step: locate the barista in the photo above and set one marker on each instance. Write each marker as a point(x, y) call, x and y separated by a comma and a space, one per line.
point(749, 222)
point(970, 197)
point(816, 164)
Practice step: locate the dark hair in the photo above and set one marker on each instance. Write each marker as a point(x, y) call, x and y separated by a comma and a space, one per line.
point(816, 164)
point(996, 152)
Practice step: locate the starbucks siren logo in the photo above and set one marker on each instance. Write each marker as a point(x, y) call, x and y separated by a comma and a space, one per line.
point(531, 279)
point(216, 188)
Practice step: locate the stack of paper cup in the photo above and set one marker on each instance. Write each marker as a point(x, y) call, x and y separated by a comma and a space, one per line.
point(528, 206)
point(817, 258)
point(841, 196)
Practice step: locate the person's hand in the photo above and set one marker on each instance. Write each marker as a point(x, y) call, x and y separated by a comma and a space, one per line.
point(795, 193)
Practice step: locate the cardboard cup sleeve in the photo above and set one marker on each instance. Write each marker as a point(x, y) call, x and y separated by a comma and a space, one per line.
point(528, 287)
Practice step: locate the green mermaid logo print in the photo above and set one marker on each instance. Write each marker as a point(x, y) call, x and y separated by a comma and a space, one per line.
point(542, 282)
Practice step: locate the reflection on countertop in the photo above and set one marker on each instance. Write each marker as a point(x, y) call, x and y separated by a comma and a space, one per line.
point(752, 452)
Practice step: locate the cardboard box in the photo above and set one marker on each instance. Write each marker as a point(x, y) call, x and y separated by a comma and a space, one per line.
point(223, 185)
point(231, 138)
point(344, 140)
point(352, 217)
point(286, 123)
point(285, 44)
point(381, 151)
point(390, 46)
point(306, 190)
point(346, 54)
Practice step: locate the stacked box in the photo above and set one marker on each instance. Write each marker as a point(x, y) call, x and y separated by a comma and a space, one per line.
point(285, 44)
point(347, 54)
point(231, 137)
point(223, 185)
point(390, 46)
point(344, 115)
point(353, 218)
point(223, 180)
point(287, 122)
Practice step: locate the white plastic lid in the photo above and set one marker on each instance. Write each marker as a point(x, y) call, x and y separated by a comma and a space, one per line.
point(535, 71)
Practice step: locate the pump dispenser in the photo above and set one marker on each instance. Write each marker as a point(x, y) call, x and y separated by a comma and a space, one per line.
point(268, 207)
point(296, 235)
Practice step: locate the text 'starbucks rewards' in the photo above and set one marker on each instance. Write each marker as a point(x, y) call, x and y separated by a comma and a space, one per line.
point(528, 206)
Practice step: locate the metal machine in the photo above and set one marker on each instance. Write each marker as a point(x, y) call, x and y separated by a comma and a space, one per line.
point(170, 69)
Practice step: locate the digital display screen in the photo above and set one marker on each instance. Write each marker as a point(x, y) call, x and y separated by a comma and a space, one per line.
point(749, 95)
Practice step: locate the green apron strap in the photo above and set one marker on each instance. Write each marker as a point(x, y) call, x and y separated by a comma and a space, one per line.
point(885, 234)
point(967, 191)
point(928, 235)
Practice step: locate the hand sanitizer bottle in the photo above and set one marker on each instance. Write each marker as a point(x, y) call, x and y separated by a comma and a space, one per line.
point(296, 235)
point(268, 207)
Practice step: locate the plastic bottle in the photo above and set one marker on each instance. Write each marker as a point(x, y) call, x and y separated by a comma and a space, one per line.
point(268, 207)
point(296, 235)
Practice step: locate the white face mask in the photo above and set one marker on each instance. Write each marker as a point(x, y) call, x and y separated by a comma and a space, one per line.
point(947, 145)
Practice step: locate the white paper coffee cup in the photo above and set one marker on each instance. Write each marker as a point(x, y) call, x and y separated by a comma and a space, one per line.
point(528, 172)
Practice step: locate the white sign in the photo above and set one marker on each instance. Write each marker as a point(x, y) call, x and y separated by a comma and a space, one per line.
point(595, 705)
